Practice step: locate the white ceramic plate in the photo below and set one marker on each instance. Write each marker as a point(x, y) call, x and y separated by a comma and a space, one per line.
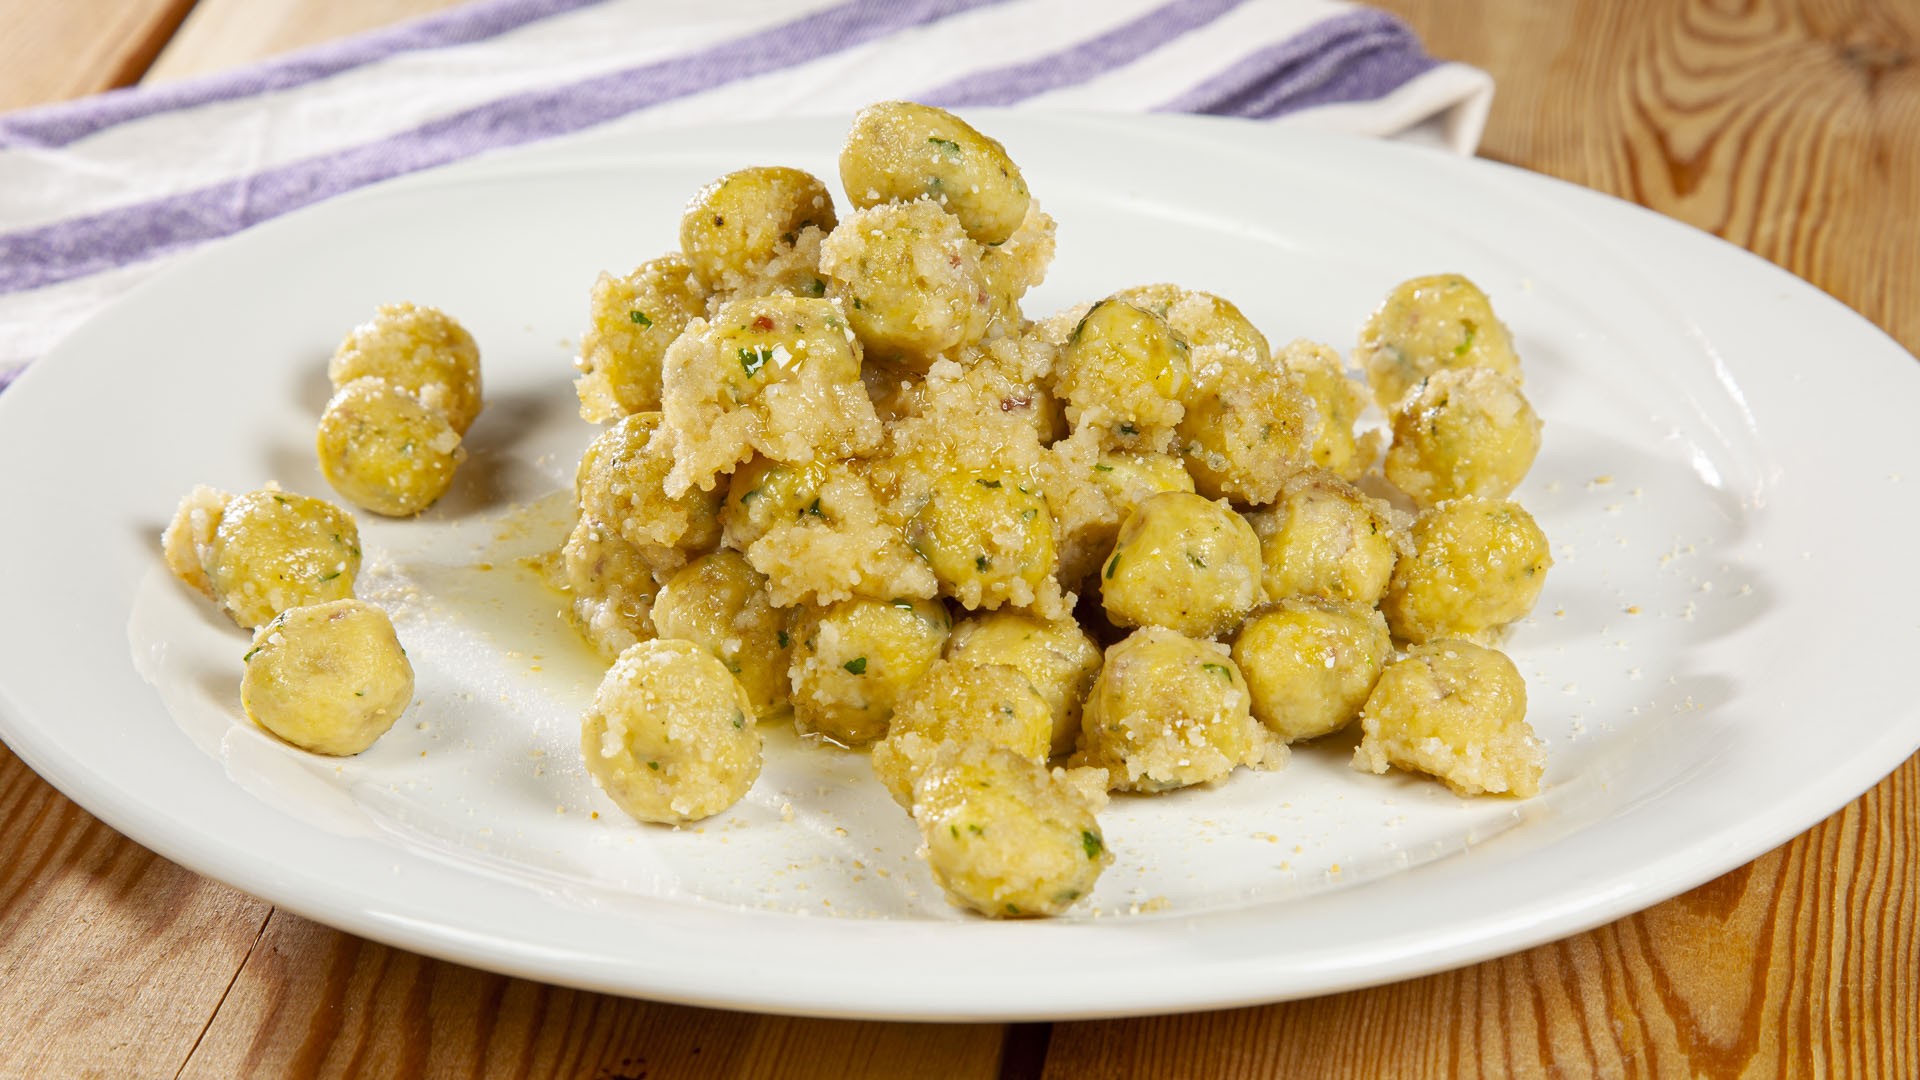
point(1728, 481)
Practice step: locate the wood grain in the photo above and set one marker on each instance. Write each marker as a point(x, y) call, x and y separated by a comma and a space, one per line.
point(112, 959)
point(222, 33)
point(52, 52)
point(1791, 127)
point(1803, 963)
point(313, 1002)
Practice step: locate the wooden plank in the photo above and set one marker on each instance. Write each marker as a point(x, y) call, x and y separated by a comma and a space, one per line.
point(313, 1002)
point(112, 959)
point(52, 52)
point(1790, 127)
point(1804, 963)
point(221, 34)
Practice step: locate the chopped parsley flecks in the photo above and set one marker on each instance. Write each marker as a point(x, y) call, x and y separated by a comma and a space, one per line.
point(951, 148)
point(639, 318)
point(1221, 670)
point(856, 666)
point(784, 640)
point(1090, 843)
point(1472, 330)
point(754, 358)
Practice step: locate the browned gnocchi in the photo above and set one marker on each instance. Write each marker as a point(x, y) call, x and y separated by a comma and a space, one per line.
point(1430, 324)
point(406, 389)
point(831, 437)
point(259, 554)
point(899, 151)
point(1456, 711)
point(330, 677)
point(670, 736)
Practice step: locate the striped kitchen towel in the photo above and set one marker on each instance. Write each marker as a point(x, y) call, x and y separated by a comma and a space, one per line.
point(99, 194)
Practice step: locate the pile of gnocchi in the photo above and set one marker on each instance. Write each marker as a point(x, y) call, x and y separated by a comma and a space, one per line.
point(844, 482)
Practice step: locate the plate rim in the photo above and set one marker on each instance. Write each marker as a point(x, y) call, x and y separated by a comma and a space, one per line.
point(1707, 858)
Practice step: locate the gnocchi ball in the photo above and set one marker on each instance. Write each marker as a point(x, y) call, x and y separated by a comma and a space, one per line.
point(1101, 490)
point(1021, 263)
point(670, 735)
point(1426, 325)
point(1057, 657)
point(420, 350)
point(1206, 321)
point(330, 677)
point(793, 271)
point(736, 225)
point(1168, 711)
point(1339, 402)
point(1477, 565)
point(899, 151)
point(273, 550)
point(632, 320)
point(909, 280)
point(1245, 430)
point(719, 602)
point(1124, 371)
point(829, 536)
point(612, 585)
point(621, 483)
point(764, 493)
point(1185, 563)
point(960, 702)
point(385, 450)
point(1130, 479)
point(776, 375)
point(989, 539)
point(1464, 431)
point(1003, 836)
point(1310, 664)
point(1456, 711)
point(188, 539)
point(852, 660)
point(1323, 537)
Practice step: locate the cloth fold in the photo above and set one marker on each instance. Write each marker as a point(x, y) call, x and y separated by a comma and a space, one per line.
point(97, 195)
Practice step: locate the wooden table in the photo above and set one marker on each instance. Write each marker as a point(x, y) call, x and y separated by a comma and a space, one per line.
point(1791, 127)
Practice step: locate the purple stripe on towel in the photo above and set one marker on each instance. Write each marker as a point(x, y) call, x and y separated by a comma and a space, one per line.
point(61, 125)
point(1361, 56)
point(1083, 61)
point(86, 245)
